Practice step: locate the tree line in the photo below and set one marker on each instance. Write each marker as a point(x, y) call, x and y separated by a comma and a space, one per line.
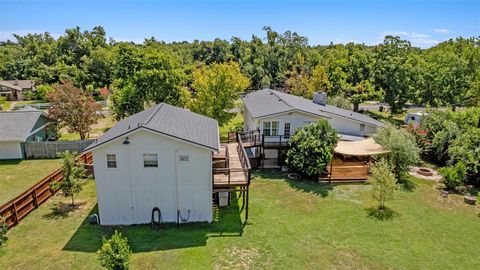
point(393, 71)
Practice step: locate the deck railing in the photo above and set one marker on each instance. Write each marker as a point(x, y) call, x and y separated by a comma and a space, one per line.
point(244, 161)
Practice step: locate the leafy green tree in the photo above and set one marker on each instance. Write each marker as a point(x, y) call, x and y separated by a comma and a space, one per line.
point(126, 101)
point(299, 82)
point(403, 148)
point(339, 101)
point(311, 148)
point(115, 252)
point(454, 176)
point(74, 177)
point(43, 91)
point(396, 72)
point(73, 108)
point(382, 180)
point(320, 80)
point(217, 87)
point(3, 231)
point(448, 78)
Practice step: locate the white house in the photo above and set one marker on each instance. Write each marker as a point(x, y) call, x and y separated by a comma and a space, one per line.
point(160, 157)
point(275, 113)
point(27, 124)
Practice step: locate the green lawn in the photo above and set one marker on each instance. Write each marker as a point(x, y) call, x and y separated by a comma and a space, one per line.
point(18, 175)
point(292, 225)
point(230, 126)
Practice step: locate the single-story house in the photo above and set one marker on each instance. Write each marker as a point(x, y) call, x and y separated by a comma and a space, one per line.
point(17, 127)
point(160, 157)
point(275, 113)
point(15, 89)
point(271, 117)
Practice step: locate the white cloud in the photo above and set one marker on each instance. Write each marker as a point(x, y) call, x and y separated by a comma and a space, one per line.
point(8, 35)
point(441, 30)
point(417, 39)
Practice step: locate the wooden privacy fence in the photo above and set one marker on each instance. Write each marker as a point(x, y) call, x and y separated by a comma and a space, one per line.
point(19, 207)
point(34, 150)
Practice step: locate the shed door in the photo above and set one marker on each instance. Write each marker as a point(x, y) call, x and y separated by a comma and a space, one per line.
point(185, 178)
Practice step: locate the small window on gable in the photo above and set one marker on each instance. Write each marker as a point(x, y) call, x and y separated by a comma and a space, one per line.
point(362, 127)
point(150, 160)
point(111, 161)
point(184, 158)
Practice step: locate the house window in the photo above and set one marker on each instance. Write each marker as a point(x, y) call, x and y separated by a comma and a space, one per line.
point(307, 122)
point(150, 160)
point(286, 130)
point(111, 161)
point(274, 128)
point(266, 128)
point(362, 127)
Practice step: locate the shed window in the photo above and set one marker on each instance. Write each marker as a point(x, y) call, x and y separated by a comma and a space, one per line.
point(111, 161)
point(184, 158)
point(150, 160)
point(362, 127)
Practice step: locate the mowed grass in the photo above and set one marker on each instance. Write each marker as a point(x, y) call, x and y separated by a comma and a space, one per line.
point(18, 175)
point(230, 126)
point(292, 225)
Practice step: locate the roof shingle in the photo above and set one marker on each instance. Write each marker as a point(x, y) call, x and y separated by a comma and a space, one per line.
point(169, 120)
point(267, 102)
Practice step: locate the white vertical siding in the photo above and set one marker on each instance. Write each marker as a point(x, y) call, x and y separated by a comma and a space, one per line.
point(127, 194)
point(10, 150)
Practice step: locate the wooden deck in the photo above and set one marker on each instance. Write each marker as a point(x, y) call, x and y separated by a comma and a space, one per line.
point(233, 175)
point(346, 171)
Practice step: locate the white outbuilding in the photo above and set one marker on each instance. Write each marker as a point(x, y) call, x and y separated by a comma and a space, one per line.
point(160, 157)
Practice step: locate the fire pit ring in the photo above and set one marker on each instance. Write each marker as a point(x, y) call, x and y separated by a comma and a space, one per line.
point(425, 171)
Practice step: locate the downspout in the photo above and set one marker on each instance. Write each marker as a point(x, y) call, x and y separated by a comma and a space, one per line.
point(176, 187)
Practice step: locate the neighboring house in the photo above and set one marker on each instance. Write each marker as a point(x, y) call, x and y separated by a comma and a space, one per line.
point(414, 118)
point(160, 157)
point(275, 113)
point(15, 89)
point(27, 124)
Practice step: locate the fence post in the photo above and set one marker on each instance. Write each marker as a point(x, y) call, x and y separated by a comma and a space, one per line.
point(15, 215)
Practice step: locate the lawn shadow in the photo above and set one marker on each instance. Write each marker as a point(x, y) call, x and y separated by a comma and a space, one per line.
point(406, 184)
point(381, 214)
point(227, 222)
point(312, 187)
point(62, 210)
point(10, 161)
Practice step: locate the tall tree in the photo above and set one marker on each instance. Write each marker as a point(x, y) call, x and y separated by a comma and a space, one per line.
point(73, 108)
point(395, 72)
point(216, 88)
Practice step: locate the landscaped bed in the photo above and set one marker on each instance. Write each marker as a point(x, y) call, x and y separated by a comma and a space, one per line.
point(292, 225)
point(17, 176)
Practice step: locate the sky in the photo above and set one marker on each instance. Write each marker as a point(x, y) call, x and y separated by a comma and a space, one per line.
point(423, 22)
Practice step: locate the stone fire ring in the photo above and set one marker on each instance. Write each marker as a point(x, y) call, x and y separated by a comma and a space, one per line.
point(425, 171)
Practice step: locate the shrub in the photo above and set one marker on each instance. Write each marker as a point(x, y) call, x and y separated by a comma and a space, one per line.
point(115, 252)
point(3, 231)
point(454, 176)
point(311, 148)
point(404, 151)
point(73, 176)
point(383, 184)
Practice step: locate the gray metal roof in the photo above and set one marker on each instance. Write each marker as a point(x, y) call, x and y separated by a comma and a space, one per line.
point(268, 102)
point(17, 125)
point(17, 84)
point(168, 120)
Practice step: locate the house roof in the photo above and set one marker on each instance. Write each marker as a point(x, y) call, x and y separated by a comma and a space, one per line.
point(268, 102)
point(17, 84)
point(18, 125)
point(168, 120)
